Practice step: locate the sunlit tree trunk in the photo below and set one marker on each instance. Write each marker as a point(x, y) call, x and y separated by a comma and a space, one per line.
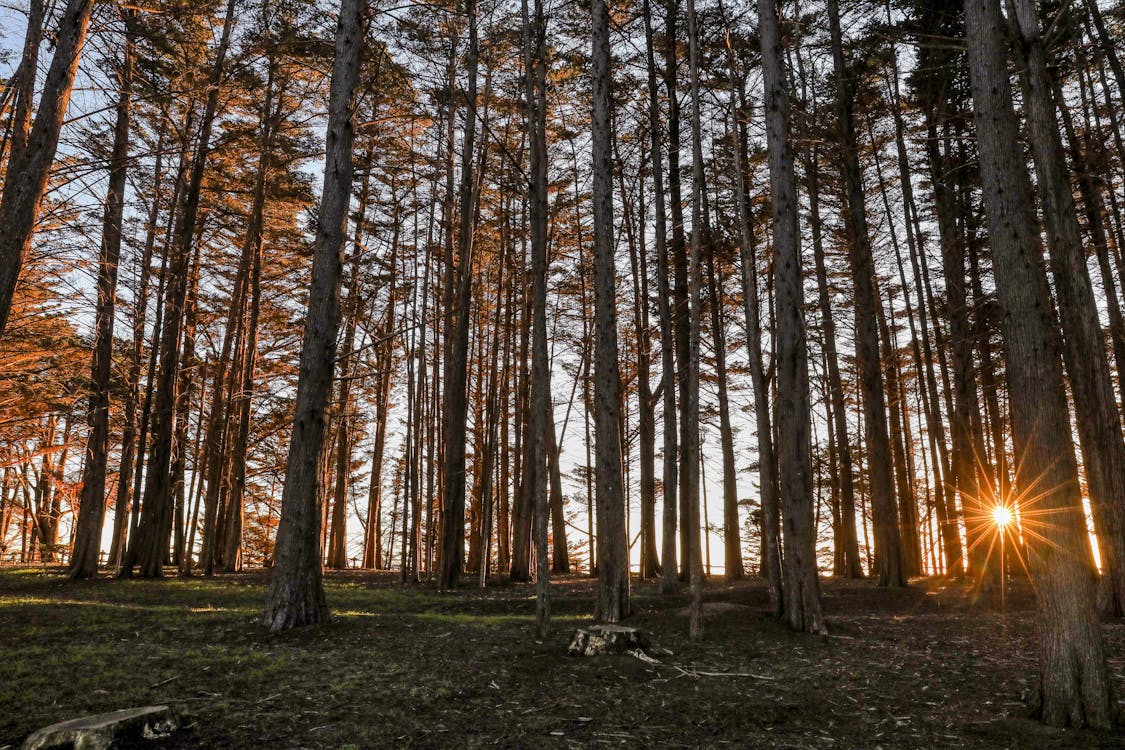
point(22, 81)
point(29, 166)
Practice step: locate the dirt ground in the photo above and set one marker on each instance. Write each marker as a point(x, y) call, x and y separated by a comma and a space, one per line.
point(935, 665)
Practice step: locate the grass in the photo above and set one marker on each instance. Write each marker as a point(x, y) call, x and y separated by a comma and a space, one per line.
point(408, 666)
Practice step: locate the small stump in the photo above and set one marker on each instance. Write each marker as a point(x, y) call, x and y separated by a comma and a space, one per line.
point(606, 639)
point(101, 731)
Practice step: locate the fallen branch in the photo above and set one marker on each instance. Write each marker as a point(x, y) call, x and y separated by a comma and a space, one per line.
point(637, 653)
point(700, 673)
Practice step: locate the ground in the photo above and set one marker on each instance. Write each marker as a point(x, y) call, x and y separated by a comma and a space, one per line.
point(934, 665)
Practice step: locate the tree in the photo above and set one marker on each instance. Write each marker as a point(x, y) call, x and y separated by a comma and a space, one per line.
point(148, 546)
point(888, 545)
point(1084, 351)
point(29, 167)
point(535, 86)
point(668, 581)
point(613, 553)
point(802, 608)
point(1073, 682)
point(88, 536)
point(296, 595)
point(458, 290)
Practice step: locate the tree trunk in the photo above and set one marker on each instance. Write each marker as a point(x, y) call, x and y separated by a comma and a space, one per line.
point(689, 412)
point(29, 167)
point(22, 83)
point(681, 323)
point(801, 585)
point(849, 538)
point(535, 78)
point(613, 549)
point(1073, 683)
point(458, 288)
point(732, 540)
point(296, 595)
point(88, 536)
point(1098, 422)
point(668, 581)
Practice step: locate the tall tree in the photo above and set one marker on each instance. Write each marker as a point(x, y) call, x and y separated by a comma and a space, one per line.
point(668, 581)
point(801, 584)
point(1073, 682)
point(458, 288)
point(535, 89)
point(91, 513)
point(888, 546)
point(296, 595)
point(613, 550)
point(1084, 350)
point(147, 548)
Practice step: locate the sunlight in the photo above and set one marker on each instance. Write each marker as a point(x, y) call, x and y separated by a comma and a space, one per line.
point(1001, 516)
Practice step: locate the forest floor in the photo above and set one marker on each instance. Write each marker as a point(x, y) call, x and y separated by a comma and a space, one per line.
point(934, 665)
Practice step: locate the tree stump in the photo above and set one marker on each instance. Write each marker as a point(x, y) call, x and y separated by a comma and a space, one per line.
point(101, 731)
point(606, 639)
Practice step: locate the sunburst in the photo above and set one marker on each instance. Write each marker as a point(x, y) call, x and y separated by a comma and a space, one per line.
point(1008, 521)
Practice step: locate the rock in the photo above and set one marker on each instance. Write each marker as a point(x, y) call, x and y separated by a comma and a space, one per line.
point(606, 639)
point(101, 731)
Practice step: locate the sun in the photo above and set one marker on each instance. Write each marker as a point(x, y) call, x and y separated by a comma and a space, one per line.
point(1001, 516)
